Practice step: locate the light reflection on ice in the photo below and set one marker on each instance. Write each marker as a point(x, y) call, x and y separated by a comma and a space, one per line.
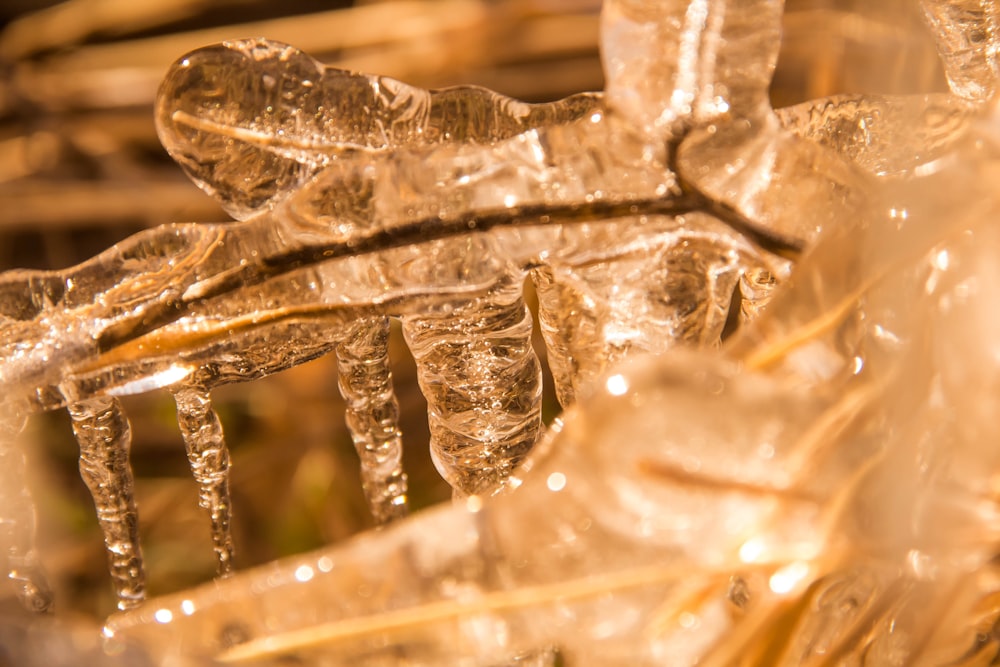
point(165, 378)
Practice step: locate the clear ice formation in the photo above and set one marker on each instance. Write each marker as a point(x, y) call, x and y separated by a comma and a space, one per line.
point(642, 216)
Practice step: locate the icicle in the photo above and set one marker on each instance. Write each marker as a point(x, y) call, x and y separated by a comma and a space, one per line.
point(482, 381)
point(373, 416)
point(17, 520)
point(104, 435)
point(660, 282)
point(209, 458)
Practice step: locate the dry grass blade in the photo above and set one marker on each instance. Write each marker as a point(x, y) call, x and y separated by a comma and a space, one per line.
point(60, 205)
point(419, 41)
point(70, 22)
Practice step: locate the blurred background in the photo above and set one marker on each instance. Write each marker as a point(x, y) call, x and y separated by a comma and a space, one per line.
point(81, 168)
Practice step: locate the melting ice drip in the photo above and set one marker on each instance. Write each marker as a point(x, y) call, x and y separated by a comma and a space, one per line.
point(638, 214)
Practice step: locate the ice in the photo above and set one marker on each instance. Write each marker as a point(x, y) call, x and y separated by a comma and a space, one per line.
point(675, 64)
point(482, 382)
point(701, 81)
point(640, 286)
point(289, 116)
point(705, 68)
point(709, 507)
point(209, 457)
point(373, 416)
point(406, 183)
point(837, 416)
point(104, 435)
point(969, 44)
point(884, 135)
point(17, 519)
point(271, 109)
point(331, 183)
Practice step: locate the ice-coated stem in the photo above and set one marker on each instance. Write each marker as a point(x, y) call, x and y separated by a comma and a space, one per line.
point(482, 381)
point(373, 416)
point(17, 521)
point(104, 435)
point(209, 457)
